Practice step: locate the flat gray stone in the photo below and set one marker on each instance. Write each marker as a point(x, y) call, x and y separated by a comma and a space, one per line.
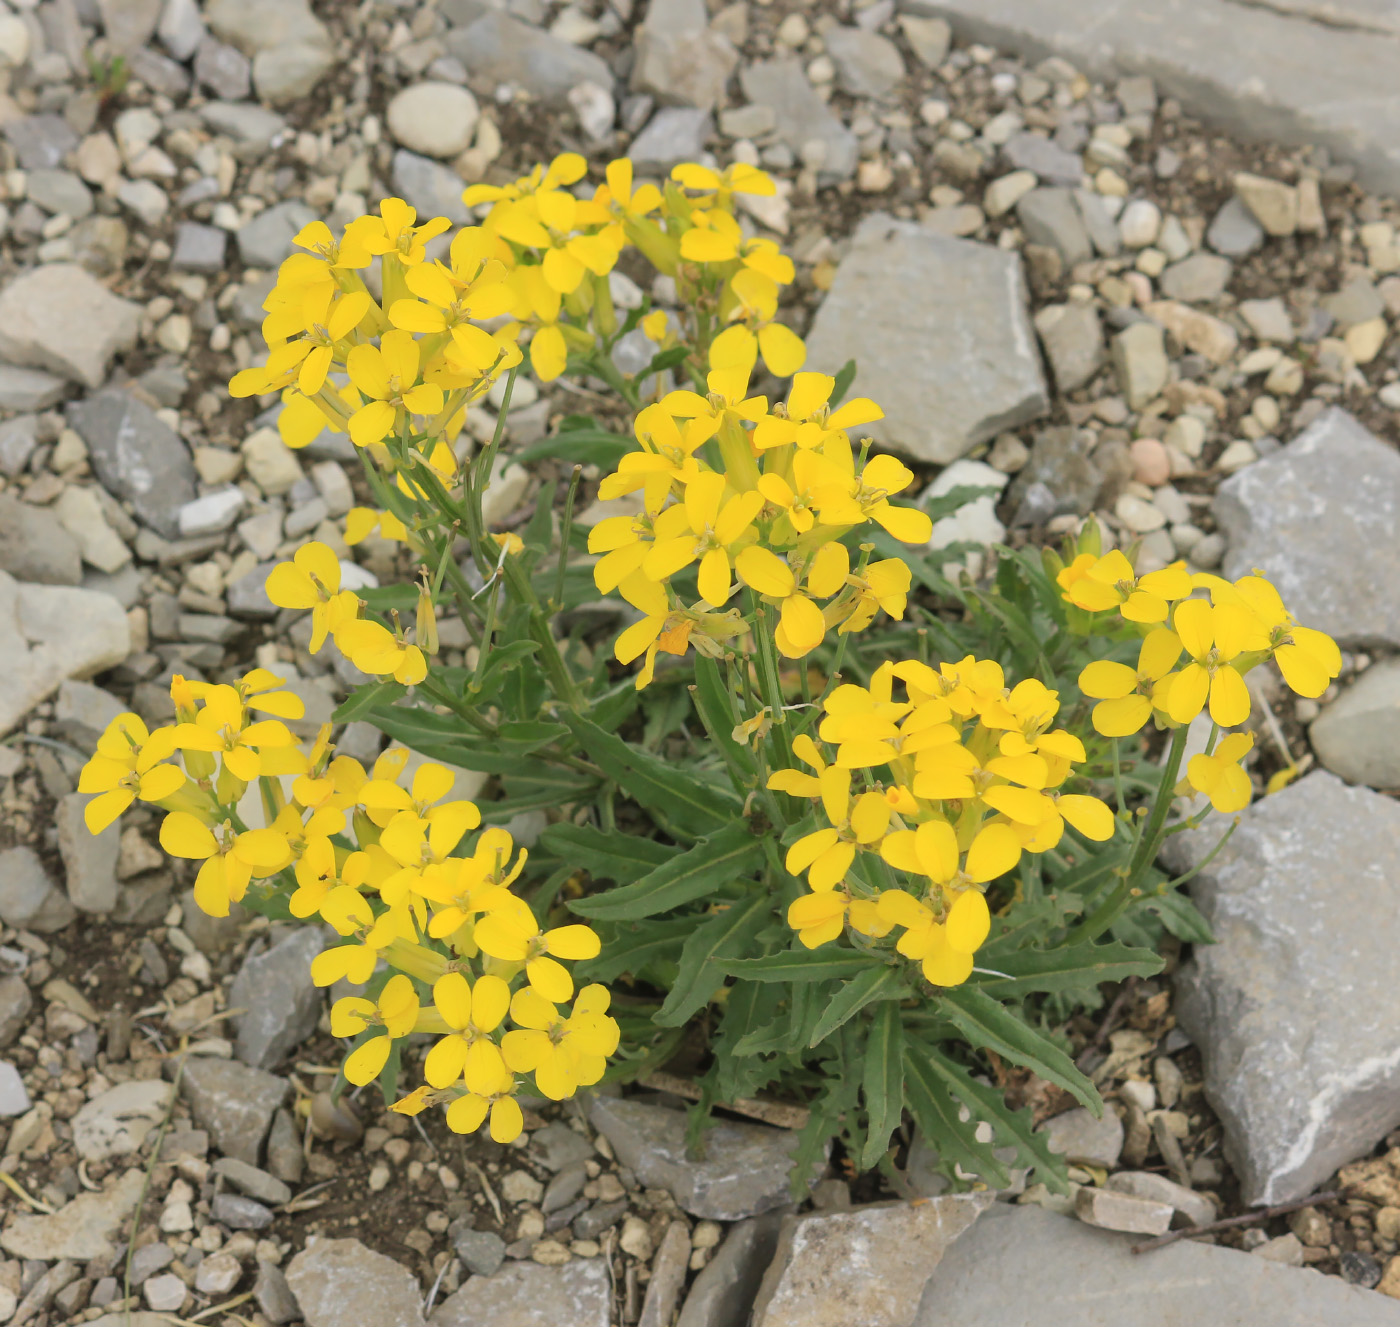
point(429, 186)
point(266, 240)
point(28, 898)
point(14, 1096)
point(137, 456)
point(1197, 279)
point(89, 860)
point(59, 192)
point(505, 50)
point(40, 141)
point(234, 1102)
point(28, 389)
point(1264, 75)
point(34, 546)
point(680, 59)
point(1051, 217)
point(1292, 1008)
point(667, 1277)
point(940, 335)
point(289, 46)
point(746, 1168)
point(247, 596)
point(1358, 735)
point(1233, 231)
point(1025, 1267)
point(867, 64)
point(274, 986)
point(674, 134)
point(341, 1283)
point(1085, 1141)
point(247, 125)
point(800, 116)
point(1045, 158)
point(1319, 516)
point(51, 633)
point(867, 1266)
point(724, 1291)
point(524, 1294)
point(1072, 338)
point(1140, 361)
point(86, 1227)
point(116, 1122)
point(199, 248)
point(60, 317)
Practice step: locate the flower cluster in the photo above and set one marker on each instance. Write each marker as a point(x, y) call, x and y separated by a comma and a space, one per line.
point(957, 780)
point(1194, 656)
point(388, 867)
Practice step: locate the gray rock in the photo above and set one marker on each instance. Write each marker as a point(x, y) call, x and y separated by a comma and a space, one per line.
point(940, 335)
point(137, 456)
point(599, 1218)
point(680, 59)
point(667, 1277)
point(129, 24)
point(251, 126)
point(273, 1296)
point(674, 134)
point(1196, 1209)
point(1140, 360)
point(82, 511)
point(239, 1213)
point(1268, 319)
point(60, 317)
point(286, 73)
point(1234, 232)
point(430, 187)
point(724, 1292)
point(1103, 230)
point(282, 1004)
point(116, 1122)
point(233, 1102)
point(1085, 1141)
point(53, 632)
point(482, 1252)
point(267, 239)
point(20, 436)
point(40, 141)
point(181, 28)
point(1358, 735)
point(556, 1145)
point(26, 389)
point(1293, 899)
point(1319, 517)
point(211, 513)
point(1061, 467)
point(290, 47)
point(34, 546)
point(341, 1283)
point(867, 64)
point(223, 69)
point(1356, 302)
point(432, 118)
point(564, 1188)
point(505, 50)
point(59, 192)
point(14, 1097)
point(252, 1181)
point(15, 1006)
point(247, 596)
point(746, 1168)
point(159, 73)
point(930, 38)
point(1045, 157)
point(86, 1227)
point(150, 1259)
point(1072, 338)
point(524, 1294)
point(1051, 217)
point(801, 117)
point(1110, 1209)
point(866, 1266)
point(1025, 1265)
point(1198, 279)
point(90, 860)
point(284, 1154)
point(199, 248)
point(28, 898)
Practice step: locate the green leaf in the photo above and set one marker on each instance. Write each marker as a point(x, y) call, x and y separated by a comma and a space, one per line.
point(581, 446)
point(367, 697)
point(716, 713)
point(1180, 916)
point(631, 948)
point(527, 735)
point(676, 798)
point(802, 965)
point(668, 359)
point(883, 1080)
point(718, 859)
point(502, 659)
point(607, 856)
point(939, 1118)
point(845, 376)
point(1015, 1128)
point(724, 935)
point(878, 983)
point(1067, 969)
point(384, 598)
point(987, 1024)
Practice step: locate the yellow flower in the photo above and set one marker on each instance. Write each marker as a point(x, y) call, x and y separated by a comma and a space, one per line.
point(706, 526)
point(511, 934)
point(821, 916)
point(1098, 584)
point(1220, 776)
point(375, 649)
point(230, 860)
point(312, 580)
point(807, 419)
point(932, 850)
point(469, 1112)
point(220, 727)
point(472, 288)
point(473, 1013)
point(739, 178)
point(884, 585)
point(943, 949)
point(361, 522)
point(1127, 696)
point(842, 497)
point(1213, 638)
point(388, 375)
point(396, 1011)
point(127, 765)
point(395, 233)
point(1308, 659)
point(826, 854)
point(564, 1054)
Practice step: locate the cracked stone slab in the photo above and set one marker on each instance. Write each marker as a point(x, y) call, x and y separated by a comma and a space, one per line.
point(1319, 516)
point(941, 337)
point(1290, 71)
point(1025, 1267)
point(1293, 1008)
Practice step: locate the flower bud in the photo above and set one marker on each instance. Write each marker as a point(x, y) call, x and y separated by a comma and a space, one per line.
point(425, 627)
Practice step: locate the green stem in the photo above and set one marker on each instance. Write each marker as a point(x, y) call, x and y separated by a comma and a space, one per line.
point(566, 530)
point(493, 595)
